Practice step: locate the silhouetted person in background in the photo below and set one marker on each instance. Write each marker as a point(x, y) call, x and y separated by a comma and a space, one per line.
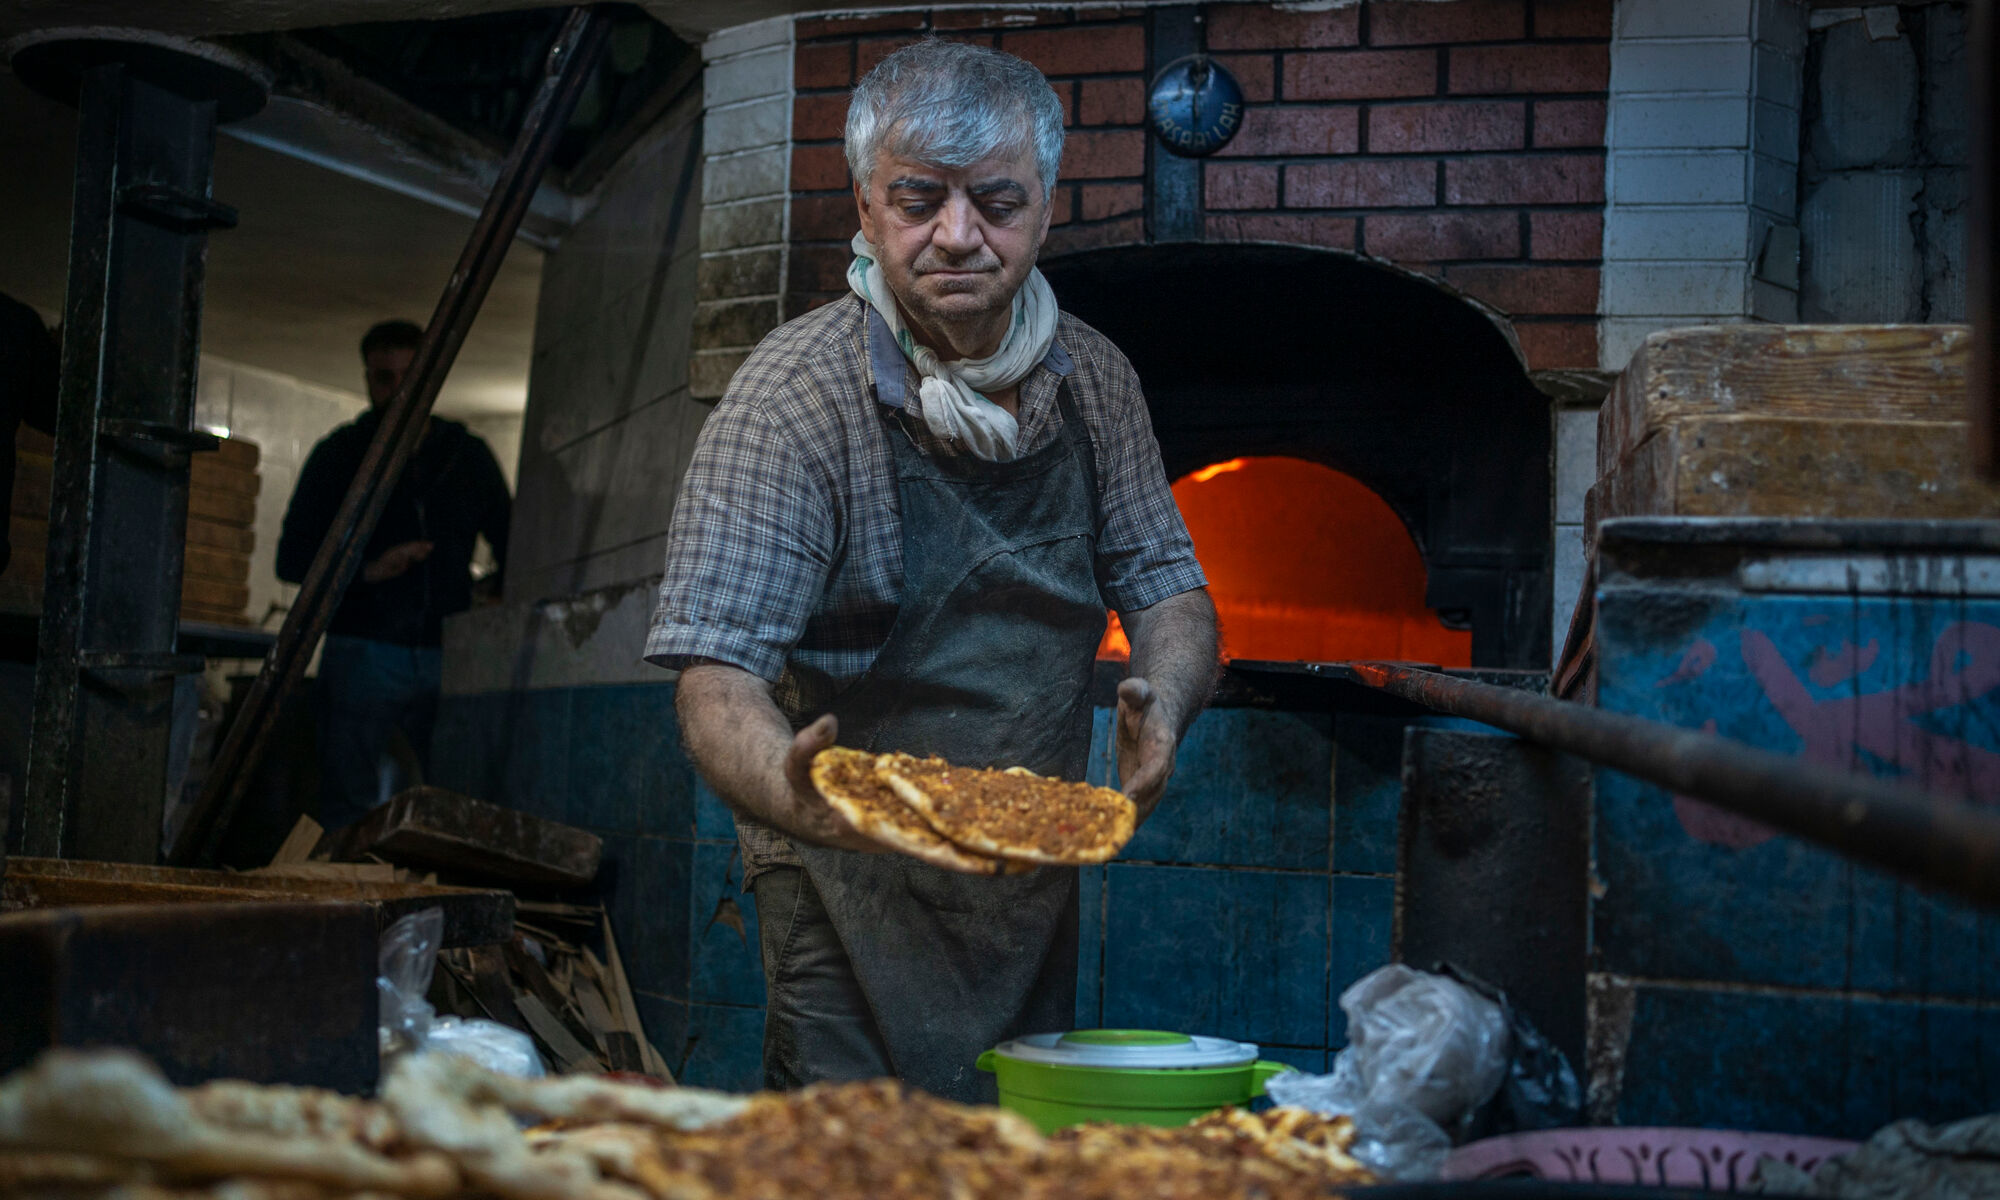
point(380, 667)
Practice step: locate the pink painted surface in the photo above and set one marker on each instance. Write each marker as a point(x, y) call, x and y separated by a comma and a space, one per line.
point(1717, 1160)
point(1882, 726)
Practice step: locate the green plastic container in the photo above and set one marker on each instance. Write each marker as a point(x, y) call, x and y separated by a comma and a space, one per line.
point(1130, 1076)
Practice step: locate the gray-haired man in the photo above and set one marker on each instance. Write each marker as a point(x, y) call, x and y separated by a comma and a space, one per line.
point(902, 526)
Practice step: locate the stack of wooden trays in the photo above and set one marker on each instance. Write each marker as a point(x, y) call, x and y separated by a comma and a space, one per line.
point(222, 514)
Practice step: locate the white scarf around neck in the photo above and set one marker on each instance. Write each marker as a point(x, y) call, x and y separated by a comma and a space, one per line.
point(952, 404)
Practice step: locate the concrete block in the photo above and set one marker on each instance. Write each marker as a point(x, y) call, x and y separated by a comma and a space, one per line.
point(1652, 177)
point(1712, 232)
point(747, 125)
point(1576, 461)
point(1569, 566)
point(745, 176)
point(1779, 77)
point(1944, 216)
point(1859, 259)
point(1774, 187)
point(1634, 19)
point(571, 641)
point(1780, 24)
point(725, 44)
point(1692, 290)
point(736, 226)
point(766, 72)
point(1680, 67)
point(1777, 258)
point(1775, 132)
point(1678, 122)
point(1867, 101)
point(1947, 131)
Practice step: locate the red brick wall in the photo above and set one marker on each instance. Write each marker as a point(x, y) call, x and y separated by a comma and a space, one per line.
point(1462, 138)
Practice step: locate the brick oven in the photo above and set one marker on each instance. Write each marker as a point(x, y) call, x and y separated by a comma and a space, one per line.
point(1406, 226)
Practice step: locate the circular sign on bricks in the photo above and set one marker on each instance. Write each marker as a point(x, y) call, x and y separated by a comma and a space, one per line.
point(1195, 106)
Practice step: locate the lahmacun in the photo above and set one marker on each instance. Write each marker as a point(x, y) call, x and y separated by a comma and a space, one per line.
point(848, 780)
point(1014, 813)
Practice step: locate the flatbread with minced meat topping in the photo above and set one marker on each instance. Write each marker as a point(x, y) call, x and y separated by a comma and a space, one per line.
point(1013, 814)
point(848, 780)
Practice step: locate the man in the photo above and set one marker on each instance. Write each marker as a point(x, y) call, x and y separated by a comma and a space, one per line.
point(901, 528)
point(380, 665)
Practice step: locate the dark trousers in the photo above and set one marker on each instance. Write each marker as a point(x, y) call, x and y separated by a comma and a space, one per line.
point(815, 1011)
point(372, 691)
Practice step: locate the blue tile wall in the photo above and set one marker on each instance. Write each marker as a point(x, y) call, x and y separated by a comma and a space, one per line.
point(1825, 1065)
point(728, 967)
point(625, 751)
point(1232, 953)
point(1250, 788)
point(1363, 933)
point(665, 1021)
point(1368, 791)
point(647, 887)
point(1090, 949)
point(725, 1048)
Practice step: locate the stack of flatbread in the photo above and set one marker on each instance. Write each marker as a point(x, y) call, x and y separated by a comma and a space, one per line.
point(106, 1126)
point(979, 821)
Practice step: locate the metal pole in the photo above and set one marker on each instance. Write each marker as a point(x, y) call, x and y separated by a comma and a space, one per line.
point(1982, 291)
point(1936, 843)
point(106, 663)
point(570, 62)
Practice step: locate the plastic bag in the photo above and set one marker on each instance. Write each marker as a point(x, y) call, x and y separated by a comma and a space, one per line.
point(1424, 1053)
point(1541, 1089)
point(408, 1024)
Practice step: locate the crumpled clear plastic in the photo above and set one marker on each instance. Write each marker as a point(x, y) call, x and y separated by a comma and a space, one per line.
point(1423, 1054)
point(406, 959)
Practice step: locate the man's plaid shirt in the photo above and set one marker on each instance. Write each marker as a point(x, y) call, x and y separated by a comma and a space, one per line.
point(785, 554)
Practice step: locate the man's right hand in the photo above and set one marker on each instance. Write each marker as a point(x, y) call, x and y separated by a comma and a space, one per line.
point(396, 560)
point(812, 818)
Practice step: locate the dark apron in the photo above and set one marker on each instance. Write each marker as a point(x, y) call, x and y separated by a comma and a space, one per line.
point(988, 663)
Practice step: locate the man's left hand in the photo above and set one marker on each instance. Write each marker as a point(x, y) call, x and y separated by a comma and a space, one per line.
point(1147, 736)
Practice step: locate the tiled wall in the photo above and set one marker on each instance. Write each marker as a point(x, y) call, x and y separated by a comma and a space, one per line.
point(1463, 139)
point(1242, 909)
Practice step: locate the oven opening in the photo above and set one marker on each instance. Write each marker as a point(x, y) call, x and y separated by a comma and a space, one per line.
point(1306, 563)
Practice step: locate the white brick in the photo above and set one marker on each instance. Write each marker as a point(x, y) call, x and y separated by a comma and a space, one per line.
point(1776, 130)
point(1769, 302)
point(1576, 460)
point(1643, 178)
point(1694, 290)
point(759, 123)
point(1720, 232)
point(1681, 18)
point(744, 176)
point(765, 73)
point(725, 44)
point(1680, 67)
point(1780, 77)
point(1774, 186)
point(1677, 122)
point(1568, 583)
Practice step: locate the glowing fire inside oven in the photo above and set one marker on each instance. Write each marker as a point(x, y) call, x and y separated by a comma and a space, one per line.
point(1306, 563)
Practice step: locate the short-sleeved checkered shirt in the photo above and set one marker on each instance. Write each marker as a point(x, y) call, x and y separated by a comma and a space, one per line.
point(786, 550)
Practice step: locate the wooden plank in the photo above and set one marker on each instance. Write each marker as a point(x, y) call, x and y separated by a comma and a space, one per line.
point(299, 843)
point(1773, 467)
point(224, 507)
point(212, 593)
point(203, 532)
point(33, 441)
point(208, 471)
point(1848, 372)
point(222, 566)
point(433, 827)
point(32, 477)
point(621, 991)
point(213, 616)
point(570, 1054)
point(236, 452)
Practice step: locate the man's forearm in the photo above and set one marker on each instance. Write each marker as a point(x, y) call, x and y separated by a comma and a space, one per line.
point(1174, 650)
point(738, 739)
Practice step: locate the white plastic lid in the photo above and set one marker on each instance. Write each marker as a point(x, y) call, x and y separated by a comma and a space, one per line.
point(1133, 1049)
